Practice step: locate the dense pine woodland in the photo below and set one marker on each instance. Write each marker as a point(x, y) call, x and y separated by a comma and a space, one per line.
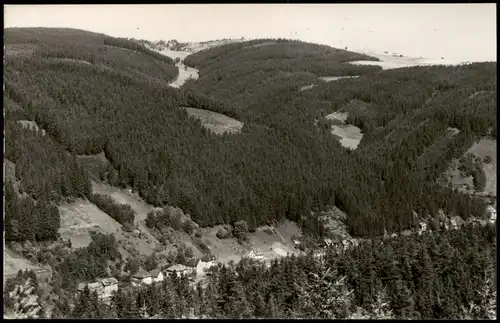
point(93, 93)
point(443, 274)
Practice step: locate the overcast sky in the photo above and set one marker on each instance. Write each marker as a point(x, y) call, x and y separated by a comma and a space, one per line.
point(454, 31)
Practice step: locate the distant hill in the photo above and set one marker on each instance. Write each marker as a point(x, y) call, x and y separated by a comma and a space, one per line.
point(93, 93)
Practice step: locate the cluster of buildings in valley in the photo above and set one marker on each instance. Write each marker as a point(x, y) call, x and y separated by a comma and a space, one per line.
point(197, 267)
point(107, 286)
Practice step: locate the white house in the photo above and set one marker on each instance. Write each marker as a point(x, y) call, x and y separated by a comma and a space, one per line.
point(109, 286)
point(255, 254)
point(204, 264)
point(142, 277)
point(157, 276)
point(179, 270)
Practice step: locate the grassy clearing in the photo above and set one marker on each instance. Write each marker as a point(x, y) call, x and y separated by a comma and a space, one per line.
point(307, 87)
point(272, 246)
point(185, 73)
point(484, 148)
point(9, 170)
point(391, 62)
point(327, 79)
point(81, 216)
point(19, 50)
point(349, 135)
point(70, 60)
point(216, 122)
point(336, 78)
point(13, 263)
point(487, 148)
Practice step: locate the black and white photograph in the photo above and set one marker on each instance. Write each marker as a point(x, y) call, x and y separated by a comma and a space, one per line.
point(250, 161)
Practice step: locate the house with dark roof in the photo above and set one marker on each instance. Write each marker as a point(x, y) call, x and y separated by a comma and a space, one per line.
point(104, 287)
point(179, 270)
point(142, 277)
point(208, 257)
point(157, 275)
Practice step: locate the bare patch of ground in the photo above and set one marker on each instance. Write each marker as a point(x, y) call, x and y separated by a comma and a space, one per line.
point(70, 60)
point(196, 47)
point(31, 125)
point(9, 170)
point(263, 44)
point(19, 50)
point(327, 79)
point(336, 78)
point(341, 116)
point(81, 216)
point(350, 136)
point(484, 149)
point(185, 73)
point(216, 122)
point(487, 148)
point(13, 263)
point(307, 87)
point(391, 62)
point(272, 245)
point(181, 52)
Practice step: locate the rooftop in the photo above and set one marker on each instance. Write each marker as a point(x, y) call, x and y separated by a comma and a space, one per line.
point(91, 286)
point(141, 274)
point(193, 262)
point(207, 258)
point(178, 267)
point(109, 281)
point(154, 273)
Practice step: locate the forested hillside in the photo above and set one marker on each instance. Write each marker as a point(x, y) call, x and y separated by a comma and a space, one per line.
point(433, 276)
point(95, 94)
point(282, 164)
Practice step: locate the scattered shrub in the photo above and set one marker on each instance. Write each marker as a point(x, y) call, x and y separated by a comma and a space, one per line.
point(223, 233)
